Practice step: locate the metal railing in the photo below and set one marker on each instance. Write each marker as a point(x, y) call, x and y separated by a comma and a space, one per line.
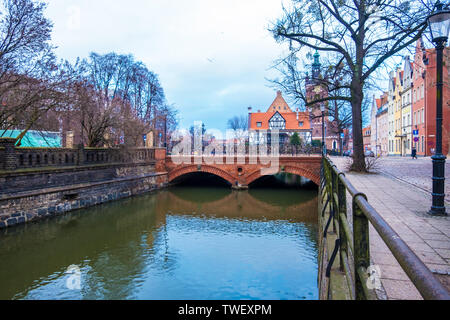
point(353, 243)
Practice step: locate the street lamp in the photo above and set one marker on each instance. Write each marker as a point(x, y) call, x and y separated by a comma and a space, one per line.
point(439, 23)
point(322, 108)
point(165, 131)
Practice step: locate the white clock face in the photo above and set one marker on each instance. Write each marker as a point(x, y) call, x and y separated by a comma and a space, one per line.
point(277, 122)
point(317, 89)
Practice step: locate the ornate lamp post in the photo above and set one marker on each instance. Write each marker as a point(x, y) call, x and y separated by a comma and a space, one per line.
point(439, 23)
point(165, 131)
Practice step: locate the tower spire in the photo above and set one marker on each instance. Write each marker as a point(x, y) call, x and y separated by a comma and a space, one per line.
point(316, 65)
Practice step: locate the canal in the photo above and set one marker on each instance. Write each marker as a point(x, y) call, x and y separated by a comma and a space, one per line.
point(183, 242)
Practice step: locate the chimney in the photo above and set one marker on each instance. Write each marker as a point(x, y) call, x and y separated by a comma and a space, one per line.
point(278, 93)
point(297, 114)
point(249, 109)
point(259, 111)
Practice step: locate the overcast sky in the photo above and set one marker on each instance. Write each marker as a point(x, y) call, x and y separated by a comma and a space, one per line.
point(212, 56)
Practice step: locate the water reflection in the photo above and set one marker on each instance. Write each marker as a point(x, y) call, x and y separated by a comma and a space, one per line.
point(180, 243)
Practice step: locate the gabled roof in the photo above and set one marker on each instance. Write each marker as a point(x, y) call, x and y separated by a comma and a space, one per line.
point(279, 104)
point(378, 102)
point(289, 117)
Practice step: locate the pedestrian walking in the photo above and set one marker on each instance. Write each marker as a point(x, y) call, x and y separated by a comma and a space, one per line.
point(414, 153)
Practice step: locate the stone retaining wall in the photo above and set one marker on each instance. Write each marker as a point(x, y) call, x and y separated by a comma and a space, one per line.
point(27, 180)
point(35, 205)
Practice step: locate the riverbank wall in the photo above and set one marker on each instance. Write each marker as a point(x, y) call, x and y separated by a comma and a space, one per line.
point(32, 187)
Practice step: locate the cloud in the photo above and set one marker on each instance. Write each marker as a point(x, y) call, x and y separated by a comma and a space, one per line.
point(212, 56)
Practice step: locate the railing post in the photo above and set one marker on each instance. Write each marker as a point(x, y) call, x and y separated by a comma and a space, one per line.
point(342, 209)
point(361, 246)
point(333, 184)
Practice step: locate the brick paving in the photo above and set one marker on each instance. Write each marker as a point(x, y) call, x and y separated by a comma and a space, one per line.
point(404, 205)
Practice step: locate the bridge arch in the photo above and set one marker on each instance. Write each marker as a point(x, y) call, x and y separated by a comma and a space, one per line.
point(203, 168)
point(300, 171)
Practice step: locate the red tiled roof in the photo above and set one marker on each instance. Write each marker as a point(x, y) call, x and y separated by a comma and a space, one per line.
point(378, 101)
point(289, 117)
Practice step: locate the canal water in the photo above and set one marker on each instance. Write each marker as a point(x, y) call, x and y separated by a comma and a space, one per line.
point(180, 243)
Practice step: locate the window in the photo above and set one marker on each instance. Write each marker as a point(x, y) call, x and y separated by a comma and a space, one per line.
point(300, 123)
point(259, 124)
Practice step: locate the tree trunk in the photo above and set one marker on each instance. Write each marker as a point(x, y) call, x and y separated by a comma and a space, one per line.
point(359, 163)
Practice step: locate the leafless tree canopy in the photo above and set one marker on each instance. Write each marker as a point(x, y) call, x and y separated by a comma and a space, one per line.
point(357, 37)
point(102, 97)
point(116, 96)
point(238, 123)
point(31, 82)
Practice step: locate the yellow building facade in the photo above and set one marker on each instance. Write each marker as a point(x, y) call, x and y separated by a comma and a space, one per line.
point(398, 112)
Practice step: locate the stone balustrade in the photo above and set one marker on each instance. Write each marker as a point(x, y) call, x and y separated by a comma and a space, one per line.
point(14, 158)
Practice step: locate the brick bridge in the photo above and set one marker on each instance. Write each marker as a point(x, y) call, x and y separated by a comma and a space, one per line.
point(241, 174)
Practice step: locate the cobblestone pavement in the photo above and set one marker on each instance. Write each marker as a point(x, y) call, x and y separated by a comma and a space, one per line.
point(414, 171)
point(404, 206)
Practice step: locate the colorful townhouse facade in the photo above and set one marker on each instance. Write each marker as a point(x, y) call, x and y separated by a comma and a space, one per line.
point(380, 125)
point(424, 101)
point(366, 138)
point(406, 94)
point(395, 112)
point(410, 107)
point(418, 105)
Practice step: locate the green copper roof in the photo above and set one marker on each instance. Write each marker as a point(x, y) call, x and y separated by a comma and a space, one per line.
point(316, 59)
point(34, 138)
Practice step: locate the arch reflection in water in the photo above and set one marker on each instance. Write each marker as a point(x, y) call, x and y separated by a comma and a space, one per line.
point(180, 243)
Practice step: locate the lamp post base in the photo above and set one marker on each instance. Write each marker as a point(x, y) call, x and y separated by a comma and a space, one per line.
point(438, 193)
point(437, 212)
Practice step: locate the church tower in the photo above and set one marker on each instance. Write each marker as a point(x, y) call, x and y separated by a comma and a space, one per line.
point(316, 88)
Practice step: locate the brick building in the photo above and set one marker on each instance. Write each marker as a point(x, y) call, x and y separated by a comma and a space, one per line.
point(424, 100)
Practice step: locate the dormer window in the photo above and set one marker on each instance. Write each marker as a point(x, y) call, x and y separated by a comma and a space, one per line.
point(259, 124)
point(300, 123)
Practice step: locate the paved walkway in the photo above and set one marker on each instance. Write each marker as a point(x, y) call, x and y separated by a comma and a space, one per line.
point(404, 206)
point(417, 172)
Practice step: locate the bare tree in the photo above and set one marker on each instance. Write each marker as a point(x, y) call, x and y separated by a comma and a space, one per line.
point(238, 123)
point(359, 36)
point(32, 84)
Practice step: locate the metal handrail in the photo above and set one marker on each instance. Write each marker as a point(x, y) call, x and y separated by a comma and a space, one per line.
point(357, 240)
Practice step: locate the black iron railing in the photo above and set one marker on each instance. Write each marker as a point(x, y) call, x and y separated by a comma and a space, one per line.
point(352, 245)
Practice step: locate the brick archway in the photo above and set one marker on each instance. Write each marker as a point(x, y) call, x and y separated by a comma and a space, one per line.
point(203, 168)
point(300, 171)
point(241, 175)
